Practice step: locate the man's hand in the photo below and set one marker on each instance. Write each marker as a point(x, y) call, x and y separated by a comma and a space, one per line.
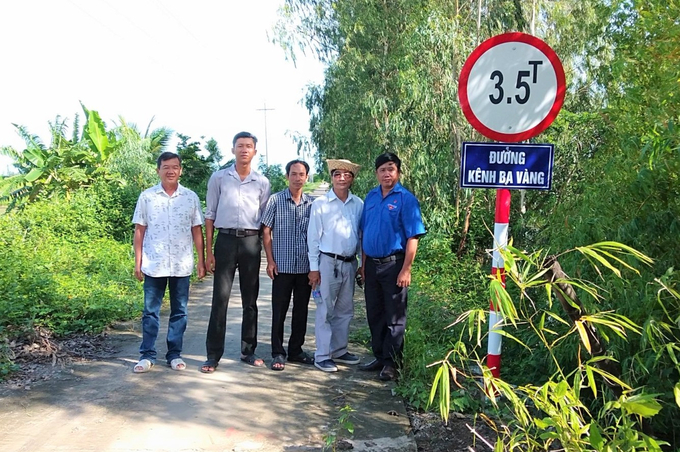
point(138, 274)
point(404, 277)
point(200, 270)
point(210, 262)
point(360, 277)
point(314, 278)
point(272, 269)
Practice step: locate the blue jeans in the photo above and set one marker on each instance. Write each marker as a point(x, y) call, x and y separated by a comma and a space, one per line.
point(154, 290)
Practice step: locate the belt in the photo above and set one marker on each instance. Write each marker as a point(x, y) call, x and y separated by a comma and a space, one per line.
point(386, 259)
point(240, 232)
point(339, 257)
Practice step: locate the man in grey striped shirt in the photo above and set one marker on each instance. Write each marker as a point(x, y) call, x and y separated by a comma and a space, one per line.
point(285, 223)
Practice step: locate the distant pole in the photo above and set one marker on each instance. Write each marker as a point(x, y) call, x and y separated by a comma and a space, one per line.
point(266, 150)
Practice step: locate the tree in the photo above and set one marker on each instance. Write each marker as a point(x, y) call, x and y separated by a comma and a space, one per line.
point(275, 174)
point(197, 168)
point(66, 165)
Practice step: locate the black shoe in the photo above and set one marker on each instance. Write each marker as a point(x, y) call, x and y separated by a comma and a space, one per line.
point(371, 366)
point(347, 358)
point(388, 373)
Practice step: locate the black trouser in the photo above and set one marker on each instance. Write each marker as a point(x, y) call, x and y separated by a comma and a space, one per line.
point(385, 309)
point(232, 252)
point(283, 286)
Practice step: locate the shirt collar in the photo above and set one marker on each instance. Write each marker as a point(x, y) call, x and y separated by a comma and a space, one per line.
point(396, 189)
point(332, 196)
point(159, 189)
point(305, 197)
point(231, 170)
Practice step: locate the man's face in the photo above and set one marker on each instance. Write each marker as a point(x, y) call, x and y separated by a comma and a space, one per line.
point(244, 150)
point(169, 171)
point(388, 175)
point(297, 176)
point(342, 179)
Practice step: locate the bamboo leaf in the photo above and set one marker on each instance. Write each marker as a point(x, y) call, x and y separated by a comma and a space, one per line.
point(584, 335)
point(595, 255)
point(644, 405)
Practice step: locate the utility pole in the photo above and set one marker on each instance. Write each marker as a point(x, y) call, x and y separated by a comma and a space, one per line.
point(266, 150)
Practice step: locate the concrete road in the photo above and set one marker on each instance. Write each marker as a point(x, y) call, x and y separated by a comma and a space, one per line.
point(104, 406)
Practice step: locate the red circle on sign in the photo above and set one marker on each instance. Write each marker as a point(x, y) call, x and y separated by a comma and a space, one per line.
point(463, 95)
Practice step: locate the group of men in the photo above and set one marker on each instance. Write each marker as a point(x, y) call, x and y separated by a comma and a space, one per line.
point(328, 244)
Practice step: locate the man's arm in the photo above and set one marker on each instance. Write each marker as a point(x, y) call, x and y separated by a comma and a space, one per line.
point(272, 269)
point(138, 245)
point(197, 233)
point(264, 196)
point(314, 231)
point(404, 277)
point(209, 257)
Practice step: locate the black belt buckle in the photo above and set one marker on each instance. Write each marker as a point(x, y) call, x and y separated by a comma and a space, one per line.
point(240, 233)
point(386, 259)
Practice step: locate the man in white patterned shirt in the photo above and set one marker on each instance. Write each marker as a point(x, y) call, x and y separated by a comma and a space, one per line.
point(285, 223)
point(167, 220)
point(333, 245)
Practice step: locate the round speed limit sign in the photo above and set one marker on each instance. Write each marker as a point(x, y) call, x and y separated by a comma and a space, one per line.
point(511, 87)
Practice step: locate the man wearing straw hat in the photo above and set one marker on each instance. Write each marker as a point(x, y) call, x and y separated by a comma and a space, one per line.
point(333, 244)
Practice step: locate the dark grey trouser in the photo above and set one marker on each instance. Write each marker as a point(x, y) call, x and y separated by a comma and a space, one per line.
point(385, 309)
point(232, 252)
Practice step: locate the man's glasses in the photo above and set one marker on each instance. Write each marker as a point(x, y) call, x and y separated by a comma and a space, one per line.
point(347, 175)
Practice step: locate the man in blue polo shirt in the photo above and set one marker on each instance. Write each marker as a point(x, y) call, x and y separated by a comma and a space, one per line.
point(391, 224)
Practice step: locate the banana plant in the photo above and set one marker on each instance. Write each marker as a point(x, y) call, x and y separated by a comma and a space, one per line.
point(66, 165)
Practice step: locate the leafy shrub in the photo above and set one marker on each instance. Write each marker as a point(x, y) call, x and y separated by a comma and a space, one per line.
point(66, 275)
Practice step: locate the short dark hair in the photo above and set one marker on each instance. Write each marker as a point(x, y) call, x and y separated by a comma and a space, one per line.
point(244, 135)
point(167, 155)
point(295, 162)
point(388, 157)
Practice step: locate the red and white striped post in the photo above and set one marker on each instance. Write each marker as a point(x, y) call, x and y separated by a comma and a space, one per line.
point(500, 238)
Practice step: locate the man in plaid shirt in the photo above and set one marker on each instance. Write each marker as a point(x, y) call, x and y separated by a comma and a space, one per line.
point(285, 223)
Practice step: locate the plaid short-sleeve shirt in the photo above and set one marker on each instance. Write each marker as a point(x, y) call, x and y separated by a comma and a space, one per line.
point(289, 222)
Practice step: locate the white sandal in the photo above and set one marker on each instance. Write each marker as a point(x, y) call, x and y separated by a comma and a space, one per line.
point(143, 366)
point(178, 364)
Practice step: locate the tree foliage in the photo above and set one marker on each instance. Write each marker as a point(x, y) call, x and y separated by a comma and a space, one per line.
point(67, 164)
point(391, 85)
point(196, 166)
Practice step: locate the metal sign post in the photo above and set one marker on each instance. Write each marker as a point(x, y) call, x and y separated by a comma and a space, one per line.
point(511, 88)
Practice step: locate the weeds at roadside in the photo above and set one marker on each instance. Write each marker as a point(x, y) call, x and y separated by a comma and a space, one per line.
point(342, 424)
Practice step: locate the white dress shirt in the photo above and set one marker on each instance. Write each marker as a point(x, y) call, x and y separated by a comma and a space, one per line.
point(233, 203)
point(334, 227)
point(167, 249)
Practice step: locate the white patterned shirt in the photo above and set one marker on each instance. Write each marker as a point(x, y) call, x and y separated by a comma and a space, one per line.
point(167, 249)
point(334, 227)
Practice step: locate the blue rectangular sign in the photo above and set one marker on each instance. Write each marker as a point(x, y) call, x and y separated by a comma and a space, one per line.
point(507, 165)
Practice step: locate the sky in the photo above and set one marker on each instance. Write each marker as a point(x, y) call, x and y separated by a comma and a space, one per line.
point(200, 67)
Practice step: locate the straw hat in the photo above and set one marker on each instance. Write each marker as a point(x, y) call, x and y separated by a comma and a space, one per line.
point(343, 165)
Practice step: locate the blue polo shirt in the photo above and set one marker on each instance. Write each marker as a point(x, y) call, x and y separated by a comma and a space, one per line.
point(387, 223)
